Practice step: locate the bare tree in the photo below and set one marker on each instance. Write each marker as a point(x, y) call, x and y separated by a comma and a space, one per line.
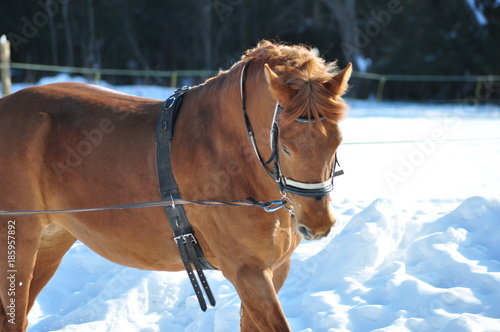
point(90, 56)
point(130, 29)
point(206, 31)
point(52, 32)
point(345, 15)
point(68, 36)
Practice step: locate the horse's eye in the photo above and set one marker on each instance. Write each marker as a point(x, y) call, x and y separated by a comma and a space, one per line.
point(285, 150)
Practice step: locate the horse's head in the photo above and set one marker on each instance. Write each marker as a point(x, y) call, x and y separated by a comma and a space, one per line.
point(308, 139)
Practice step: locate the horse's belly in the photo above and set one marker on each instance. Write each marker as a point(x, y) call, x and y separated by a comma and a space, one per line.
point(138, 242)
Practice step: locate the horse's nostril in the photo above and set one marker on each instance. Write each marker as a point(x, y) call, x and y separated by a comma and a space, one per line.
point(306, 233)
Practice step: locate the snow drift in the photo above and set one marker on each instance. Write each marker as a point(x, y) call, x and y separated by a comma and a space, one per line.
point(385, 269)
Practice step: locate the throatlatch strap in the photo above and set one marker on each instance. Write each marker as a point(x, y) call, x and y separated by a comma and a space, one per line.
point(189, 248)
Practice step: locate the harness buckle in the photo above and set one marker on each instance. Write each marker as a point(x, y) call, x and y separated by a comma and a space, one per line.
point(182, 89)
point(184, 238)
point(169, 102)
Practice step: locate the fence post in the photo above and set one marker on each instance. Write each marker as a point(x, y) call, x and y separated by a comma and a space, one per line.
point(381, 85)
point(173, 80)
point(97, 77)
point(5, 65)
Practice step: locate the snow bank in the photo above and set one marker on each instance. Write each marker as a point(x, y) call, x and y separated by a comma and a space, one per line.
point(390, 272)
point(384, 269)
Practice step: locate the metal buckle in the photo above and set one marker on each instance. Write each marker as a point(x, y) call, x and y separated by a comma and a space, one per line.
point(285, 200)
point(169, 102)
point(183, 88)
point(184, 238)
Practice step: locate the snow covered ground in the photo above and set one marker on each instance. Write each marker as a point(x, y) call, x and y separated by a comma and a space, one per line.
point(416, 246)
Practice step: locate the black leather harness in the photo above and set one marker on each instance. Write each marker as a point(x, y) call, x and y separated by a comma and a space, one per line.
point(184, 237)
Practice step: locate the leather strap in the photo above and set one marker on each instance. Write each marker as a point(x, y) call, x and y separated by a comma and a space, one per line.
point(285, 185)
point(189, 249)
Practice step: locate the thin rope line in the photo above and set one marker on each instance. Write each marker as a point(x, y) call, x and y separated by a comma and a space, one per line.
point(269, 206)
point(423, 141)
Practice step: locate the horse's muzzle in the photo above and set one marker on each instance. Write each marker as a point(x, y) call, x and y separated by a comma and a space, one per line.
point(309, 235)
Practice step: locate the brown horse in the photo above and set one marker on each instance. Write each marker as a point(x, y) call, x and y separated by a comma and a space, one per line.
point(71, 145)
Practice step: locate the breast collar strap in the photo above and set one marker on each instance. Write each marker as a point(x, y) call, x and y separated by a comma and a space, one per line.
point(286, 185)
point(184, 235)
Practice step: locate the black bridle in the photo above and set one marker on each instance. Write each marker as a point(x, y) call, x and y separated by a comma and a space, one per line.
point(285, 185)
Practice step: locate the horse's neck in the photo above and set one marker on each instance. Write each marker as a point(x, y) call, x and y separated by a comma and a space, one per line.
point(221, 99)
point(260, 108)
point(213, 127)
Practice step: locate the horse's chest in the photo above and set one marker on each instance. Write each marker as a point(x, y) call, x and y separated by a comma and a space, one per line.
point(285, 240)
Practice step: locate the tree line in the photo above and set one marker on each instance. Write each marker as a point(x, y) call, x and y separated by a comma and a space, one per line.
point(442, 37)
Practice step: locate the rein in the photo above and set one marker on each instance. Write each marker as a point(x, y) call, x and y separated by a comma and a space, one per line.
point(285, 185)
point(270, 206)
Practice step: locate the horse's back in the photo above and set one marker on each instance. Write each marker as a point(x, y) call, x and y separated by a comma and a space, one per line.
point(66, 99)
point(60, 112)
point(57, 134)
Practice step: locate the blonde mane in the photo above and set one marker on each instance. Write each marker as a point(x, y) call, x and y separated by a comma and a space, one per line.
point(305, 72)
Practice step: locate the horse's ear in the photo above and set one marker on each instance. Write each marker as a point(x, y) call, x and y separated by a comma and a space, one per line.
point(278, 87)
point(338, 84)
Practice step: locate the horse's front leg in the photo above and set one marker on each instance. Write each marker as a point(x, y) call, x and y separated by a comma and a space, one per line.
point(19, 243)
point(261, 308)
